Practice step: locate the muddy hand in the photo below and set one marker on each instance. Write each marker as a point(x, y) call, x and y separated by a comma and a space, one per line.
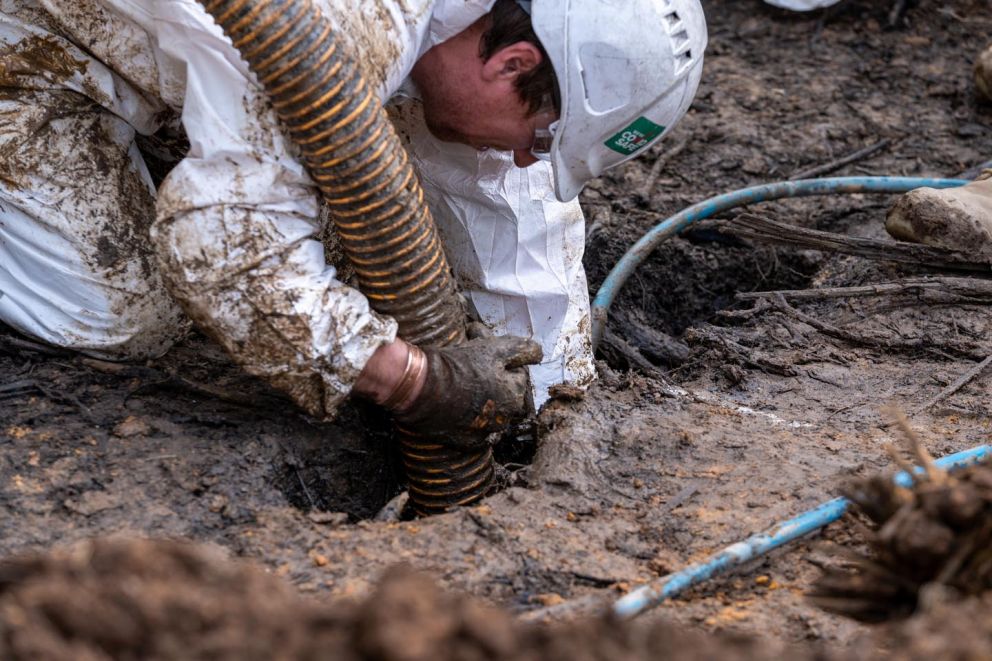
point(472, 390)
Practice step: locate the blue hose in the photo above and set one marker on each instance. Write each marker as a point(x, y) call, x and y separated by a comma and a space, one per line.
point(649, 596)
point(804, 188)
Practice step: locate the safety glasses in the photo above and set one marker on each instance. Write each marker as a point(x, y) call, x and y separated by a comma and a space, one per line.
point(546, 125)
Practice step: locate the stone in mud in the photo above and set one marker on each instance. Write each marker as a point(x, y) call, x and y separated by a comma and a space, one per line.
point(957, 218)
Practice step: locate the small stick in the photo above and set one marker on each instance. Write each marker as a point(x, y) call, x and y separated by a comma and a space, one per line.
point(660, 163)
point(304, 485)
point(23, 384)
point(964, 380)
point(105, 366)
point(72, 400)
point(881, 343)
point(934, 474)
point(760, 228)
point(9, 342)
point(980, 290)
point(900, 461)
point(973, 172)
point(837, 164)
point(898, 9)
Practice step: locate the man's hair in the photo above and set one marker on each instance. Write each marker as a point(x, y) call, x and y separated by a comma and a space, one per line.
point(510, 24)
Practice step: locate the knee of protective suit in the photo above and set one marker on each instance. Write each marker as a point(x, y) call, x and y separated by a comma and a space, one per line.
point(147, 332)
point(103, 331)
point(54, 289)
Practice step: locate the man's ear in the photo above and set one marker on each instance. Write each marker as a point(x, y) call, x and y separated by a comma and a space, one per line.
point(511, 61)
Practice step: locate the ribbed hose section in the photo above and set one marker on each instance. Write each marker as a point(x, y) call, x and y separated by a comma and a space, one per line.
point(375, 200)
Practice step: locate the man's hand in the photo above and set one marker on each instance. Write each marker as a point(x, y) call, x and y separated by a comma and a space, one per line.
point(472, 390)
point(460, 394)
point(384, 372)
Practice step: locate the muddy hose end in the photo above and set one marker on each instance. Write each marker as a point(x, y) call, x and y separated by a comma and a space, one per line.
point(442, 478)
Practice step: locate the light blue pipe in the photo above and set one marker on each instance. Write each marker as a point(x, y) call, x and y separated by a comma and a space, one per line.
point(640, 251)
point(649, 596)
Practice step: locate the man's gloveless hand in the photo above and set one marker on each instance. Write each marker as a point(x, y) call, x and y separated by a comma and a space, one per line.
point(472, 390)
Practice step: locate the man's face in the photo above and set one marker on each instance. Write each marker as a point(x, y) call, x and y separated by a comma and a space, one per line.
point(477, 104)
point(503, 125)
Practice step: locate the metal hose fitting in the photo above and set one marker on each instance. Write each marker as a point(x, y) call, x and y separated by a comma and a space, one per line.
point(374, 198)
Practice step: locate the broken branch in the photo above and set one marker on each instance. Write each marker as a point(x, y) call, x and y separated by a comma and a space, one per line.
point(760, 228)
point(964, 380)
point(883, 343)
point(966, 289)
point(837, 164)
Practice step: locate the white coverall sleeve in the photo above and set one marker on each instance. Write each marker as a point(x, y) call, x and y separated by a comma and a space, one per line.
point(515, 249)
point(234, 227)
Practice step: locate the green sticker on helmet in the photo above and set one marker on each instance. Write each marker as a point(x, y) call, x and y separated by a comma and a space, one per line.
point(635, 137)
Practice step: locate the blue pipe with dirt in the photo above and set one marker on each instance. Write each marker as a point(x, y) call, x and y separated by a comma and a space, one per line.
point(640, 251)
point(649, 596)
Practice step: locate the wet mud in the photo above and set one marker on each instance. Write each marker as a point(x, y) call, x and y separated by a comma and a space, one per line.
point(638, 479)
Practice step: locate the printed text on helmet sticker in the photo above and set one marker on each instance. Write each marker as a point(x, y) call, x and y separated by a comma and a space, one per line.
point(635, 136)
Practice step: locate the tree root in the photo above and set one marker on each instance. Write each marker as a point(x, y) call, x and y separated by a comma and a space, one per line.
point(937, 533)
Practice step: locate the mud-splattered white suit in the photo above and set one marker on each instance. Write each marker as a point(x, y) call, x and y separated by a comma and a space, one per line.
point(82, 265)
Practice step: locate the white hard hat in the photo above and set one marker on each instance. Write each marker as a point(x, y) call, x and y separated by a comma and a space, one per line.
point(627, 71)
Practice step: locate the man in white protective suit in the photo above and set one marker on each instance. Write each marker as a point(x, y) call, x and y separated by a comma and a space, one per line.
point(507, 107)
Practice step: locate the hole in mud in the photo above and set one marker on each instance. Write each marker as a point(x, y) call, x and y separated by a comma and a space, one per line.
point(684, 284)
point(353, 465)
point(514, 453)
point(349, 467)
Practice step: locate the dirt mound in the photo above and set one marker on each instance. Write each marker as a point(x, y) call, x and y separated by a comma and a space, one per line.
point(156, 600)
point(130, 599)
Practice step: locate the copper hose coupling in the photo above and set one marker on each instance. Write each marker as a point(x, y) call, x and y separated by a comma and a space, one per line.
point(374, 197)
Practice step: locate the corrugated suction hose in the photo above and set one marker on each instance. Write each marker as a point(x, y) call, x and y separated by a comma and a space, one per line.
point(375, 200)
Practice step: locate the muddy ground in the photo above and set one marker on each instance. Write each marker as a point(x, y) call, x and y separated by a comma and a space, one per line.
point(632, 482)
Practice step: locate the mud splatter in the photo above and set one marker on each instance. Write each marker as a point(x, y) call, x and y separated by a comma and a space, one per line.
point(376, 38)
point(45, 57)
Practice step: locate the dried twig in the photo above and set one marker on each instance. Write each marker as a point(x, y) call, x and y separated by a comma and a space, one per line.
point(71, 400)
point(837, 164)
point(883, 343)
point(15, 345)
point(182, 384)
point(660, 163)
point(169, 380)
point(973, 172)
point(961, 382)
point(934, 474)
point(633, 355)
point(18, 387)
point(761, 228)
point(964, 289)
point(897, 11)
point(744, 355)
point(306, 491)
